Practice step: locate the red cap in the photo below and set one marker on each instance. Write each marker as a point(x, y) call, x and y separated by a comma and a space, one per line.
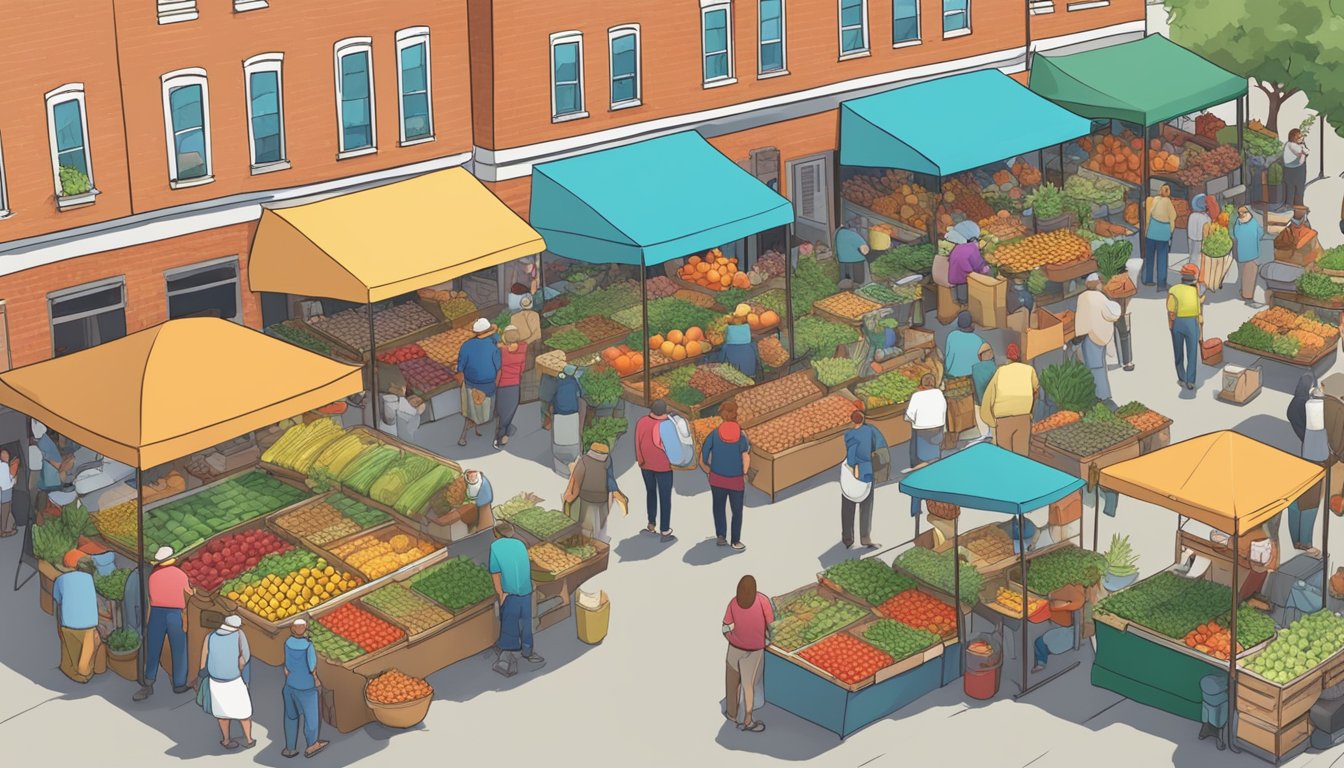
point(1014, 353)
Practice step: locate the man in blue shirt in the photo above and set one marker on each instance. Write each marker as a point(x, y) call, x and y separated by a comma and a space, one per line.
point(512, 573)
point(862, 443)
point(478, 364)
point(300, 692)
point(76, 604)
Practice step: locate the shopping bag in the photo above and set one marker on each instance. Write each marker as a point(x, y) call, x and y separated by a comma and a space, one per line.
point(203, 695)
point(851, 487)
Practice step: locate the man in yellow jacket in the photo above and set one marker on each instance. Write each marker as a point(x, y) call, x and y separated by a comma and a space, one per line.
point(1185, 318)
point(1008, 402)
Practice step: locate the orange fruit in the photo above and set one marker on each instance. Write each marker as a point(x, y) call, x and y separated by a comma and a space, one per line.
point(675, 336)
point(667, 347)
point(769, 318)
point(655, 341)
point(694, 333)
point(712, 275)
point(678, 352)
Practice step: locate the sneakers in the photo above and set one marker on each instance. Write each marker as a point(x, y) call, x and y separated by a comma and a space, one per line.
point(182, 689)
point(507, 665)
point(534, 658)
point(144, 693)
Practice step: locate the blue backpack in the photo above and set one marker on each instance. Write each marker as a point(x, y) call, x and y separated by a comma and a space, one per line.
point(677, 441)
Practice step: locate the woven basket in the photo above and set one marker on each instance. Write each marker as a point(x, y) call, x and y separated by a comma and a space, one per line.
point(943, 510)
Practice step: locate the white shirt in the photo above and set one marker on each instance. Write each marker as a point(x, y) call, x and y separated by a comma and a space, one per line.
point(927, 409)
point(6, 477)
point(1096, 317)
point(1194, 228)
point(1294, 154)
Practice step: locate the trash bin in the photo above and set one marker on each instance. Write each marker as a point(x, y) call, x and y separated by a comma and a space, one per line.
point(982, 663)
point(592, 615)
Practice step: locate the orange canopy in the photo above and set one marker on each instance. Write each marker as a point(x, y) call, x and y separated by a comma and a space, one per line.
point(174, 389)
point(1224, 479)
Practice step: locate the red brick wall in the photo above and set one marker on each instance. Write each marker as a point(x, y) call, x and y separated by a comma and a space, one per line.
point(25, 293)
point(1066, 22)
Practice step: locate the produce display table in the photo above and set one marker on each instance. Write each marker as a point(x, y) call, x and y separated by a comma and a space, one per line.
point(1148, 672)
point(802, 691)
point(1321, 361)
point(1331, 312)
point(775, 472)
point(1078, 465)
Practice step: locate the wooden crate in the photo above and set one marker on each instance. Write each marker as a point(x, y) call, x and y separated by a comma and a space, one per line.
point(825, 591)
point(1078, 465)
point(1276, 741)
point(1277, 705)
point(900, 666)
point(603, 555)
point(1332, 670)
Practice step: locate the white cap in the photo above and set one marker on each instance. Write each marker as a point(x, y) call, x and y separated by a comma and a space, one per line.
point(231, 624)
point(39, 429)
point(300, 622)
point(480, 326)
point(1093, 278)
point(163, 553)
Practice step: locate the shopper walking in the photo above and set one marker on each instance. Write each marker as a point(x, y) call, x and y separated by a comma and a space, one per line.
point(745, 623)
point(1246, 235)
point(592, 489)
point(726, 458)
point(512, 573)
point(866, 457)
point(567, 408)
point(927, 414)
point(300, 692)
point(1185, 318)
point(76, 606)
point(512, 361)
point(1294, 169)
point(222, 681)
point(1095, 327)
point(168, 591)
point(1196, 224)
point(478, 364)
point(1306, 415)
point(1008, 402)
point(9, 471)
point(1161, 221)
point(851, 250)
point(651, 456)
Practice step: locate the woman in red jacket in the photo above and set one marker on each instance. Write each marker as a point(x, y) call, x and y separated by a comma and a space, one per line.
point(512, 361)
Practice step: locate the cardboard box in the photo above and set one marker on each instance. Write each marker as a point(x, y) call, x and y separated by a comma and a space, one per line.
point(987, 300)
point(1036, 332)
point(961, 414)
point(1240, 384)
point(1067, 509)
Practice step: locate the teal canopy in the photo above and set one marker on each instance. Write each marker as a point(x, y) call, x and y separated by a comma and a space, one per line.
point(649, 202)
point(1144, 82)
point(952, 124)
point(988, 477)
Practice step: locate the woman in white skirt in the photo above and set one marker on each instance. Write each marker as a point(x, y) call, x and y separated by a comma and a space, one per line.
point(222, 690)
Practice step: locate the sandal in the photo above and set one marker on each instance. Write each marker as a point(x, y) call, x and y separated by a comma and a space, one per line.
point(249, 744)
point(666, 535)
point(290, 753)
point(230, 744)
point(462, 442)
point(755, 727)
point(318, 747)
point(739, 546)
point(651, 528)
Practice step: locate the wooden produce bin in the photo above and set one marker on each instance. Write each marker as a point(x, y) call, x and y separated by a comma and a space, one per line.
point(1270, 742)
point(1303, 361)
point(774, 472)
point(892, 424)
point(1078, 465)
point(1278, 706)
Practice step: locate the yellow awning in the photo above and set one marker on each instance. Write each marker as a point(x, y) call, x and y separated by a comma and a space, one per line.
point(374, 245)
point(174, 389)
point(1224, 479)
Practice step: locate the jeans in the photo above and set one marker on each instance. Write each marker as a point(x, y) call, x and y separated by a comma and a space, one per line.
point(1094, 356)
point(166, 621)
point(865, 519)
point(1185, 345)
point(515, 624)
point(506, 406)
point(1042, 652)
point(658, 490)
point(721, 498)
point(1155, 262)
point(1294, 184)
point(300, 702)
point(1301, 524)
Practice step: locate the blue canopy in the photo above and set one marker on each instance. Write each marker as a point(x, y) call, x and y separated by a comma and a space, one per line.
point(988, 477)
point(649, 202)
point(952, 124)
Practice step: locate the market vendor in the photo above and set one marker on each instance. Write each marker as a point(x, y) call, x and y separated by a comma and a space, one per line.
point(478, 365)
point(76, 603)
point(1064, 603)
point(527, 321)
point(739, 350)
point(851, 249)
point(964, 259)
point(566, 405)
point(481, 494)
point(592, 488)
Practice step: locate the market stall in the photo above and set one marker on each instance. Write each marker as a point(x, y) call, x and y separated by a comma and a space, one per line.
point(652, 280)
point(990, 478)
point(374, 250)
point(1157, 639)
point(1139, 95)
point(1287, 337)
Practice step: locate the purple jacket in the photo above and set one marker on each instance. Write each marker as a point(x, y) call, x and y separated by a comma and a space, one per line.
point(964, 259)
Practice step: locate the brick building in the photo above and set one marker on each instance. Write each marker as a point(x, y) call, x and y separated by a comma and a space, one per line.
point(133, 174)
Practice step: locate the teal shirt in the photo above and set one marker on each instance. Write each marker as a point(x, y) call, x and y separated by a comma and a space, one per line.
point(847, 245)
point(1246, 235)
point(508, 558)
point(962, 353)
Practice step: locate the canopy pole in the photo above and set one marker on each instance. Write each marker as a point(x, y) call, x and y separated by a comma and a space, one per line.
point(1232, 640)
point(142, 577)
point(1325, 539)
point(788, 290)
point(1143, 205)
point(933, 215)
point(956, 573)
point(1241, 121)
point(1022, 560)
point(648, 353)
point(373, 369)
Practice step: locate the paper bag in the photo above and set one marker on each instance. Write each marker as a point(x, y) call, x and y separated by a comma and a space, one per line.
point(987, 299)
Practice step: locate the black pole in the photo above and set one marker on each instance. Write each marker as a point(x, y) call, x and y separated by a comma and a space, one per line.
point(956, 573)
point(143, 577)
point(1325, 540)
point(1241, 142)
point(373, 369)
point(1232, 640)
point(1022, 560)
point(1321, 157)
point(1144, 192)
point(788, 291)
point(1061, 166)
point(648, 352)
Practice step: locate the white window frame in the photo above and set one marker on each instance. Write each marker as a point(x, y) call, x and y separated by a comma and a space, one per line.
point(957, 32)
point(178, 79)
point(77, 291)
point(266, 62)
point(919, 27)
point(68, 92)
point(173, 11)
point(708, 6)
point(344, 48)
point(783, 42)
point(867, 48)
point(625, 30)
point(243, 6)
point(1087, 5)
point(565, 38)
point(408, 38)
point(180, 272)
point(4, 194)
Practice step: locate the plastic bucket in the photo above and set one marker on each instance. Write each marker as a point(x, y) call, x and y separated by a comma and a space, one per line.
point(592, 623)
point(982, 684)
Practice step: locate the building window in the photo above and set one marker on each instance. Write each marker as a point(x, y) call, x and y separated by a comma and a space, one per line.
point(904, 22)
point(173, 11)
point(1088, 4)
point(853, 27)
point(4, 194)
point(417, 119)
point(205, 290)
point(354, 96)
point(623, 42)
point(186, 114)
point(68, 133)
point(243, 6)
point(265, 111)
point(772, 37)
point(87, 315)
point(567, 76)
point(716, 41)
point(956, 18)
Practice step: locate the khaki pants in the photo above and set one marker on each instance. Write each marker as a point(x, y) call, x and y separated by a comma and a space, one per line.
point(1013, 433)
point(7, 526)
point(742, 674)
point(1249, 271)
point(82, 654)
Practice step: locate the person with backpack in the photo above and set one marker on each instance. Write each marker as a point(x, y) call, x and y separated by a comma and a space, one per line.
point(652, 457)
point(726, 458)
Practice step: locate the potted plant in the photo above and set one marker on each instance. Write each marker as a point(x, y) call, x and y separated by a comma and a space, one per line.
point(1120, 565)
point(602, 390)
point(1214, 255)
point(1047, 206)
point(1274, 184)
point(123, 648)
point(75, 188)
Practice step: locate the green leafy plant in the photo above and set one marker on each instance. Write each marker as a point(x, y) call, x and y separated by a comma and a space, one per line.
point(1036, 282)
point(73, 181)
point(670, 313)
point(1111, 258)
point(835, 370)
point(1333, 258)
point(810, 283)
point(1273, 174)
point(1070, 386)
point(1047, 201)
point(503, 320)
point(567, 340)
point(685, 394)
point(123, 640)
point(1121, 560)
point(813, 334)
point(605, 430)
point(1132, 408)
point(1319, 286)
point(601, 386)
point(1062, 567)
point(113, 585)
point(55, 537)
point(1257, 144)
point(935, 570)
point(869, 579)
point(1286, 346)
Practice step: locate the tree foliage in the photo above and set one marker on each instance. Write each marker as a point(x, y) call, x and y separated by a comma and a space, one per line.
point(1326, 94)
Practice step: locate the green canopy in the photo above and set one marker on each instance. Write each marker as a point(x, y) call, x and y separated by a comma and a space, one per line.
point(1145, 82)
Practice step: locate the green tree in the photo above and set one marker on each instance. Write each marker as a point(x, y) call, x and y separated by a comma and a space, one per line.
point(1267, 41)
point(1326, 94)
